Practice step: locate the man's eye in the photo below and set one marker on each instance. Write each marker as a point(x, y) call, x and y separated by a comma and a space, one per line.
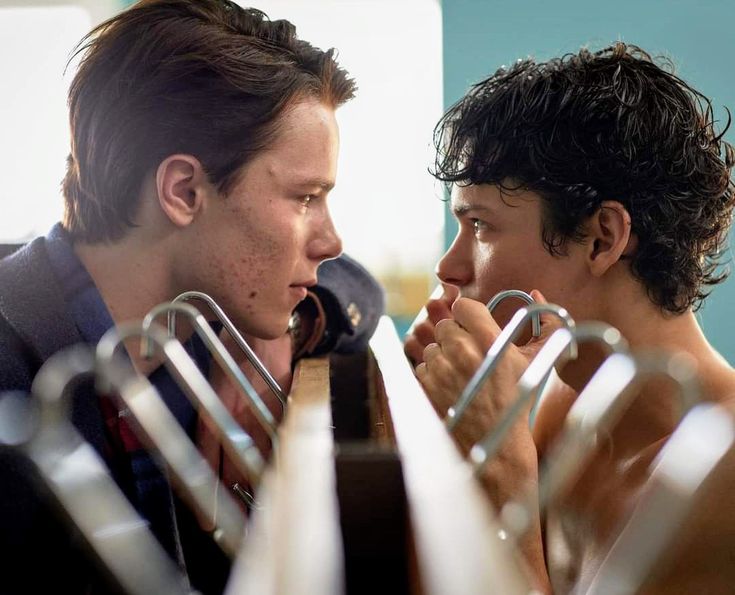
point(306, 200)
point(478, 226)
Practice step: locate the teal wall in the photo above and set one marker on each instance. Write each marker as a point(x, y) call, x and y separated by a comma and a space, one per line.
point(480, 35)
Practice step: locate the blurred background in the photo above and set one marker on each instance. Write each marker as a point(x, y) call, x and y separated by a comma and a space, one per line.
point(411, 59)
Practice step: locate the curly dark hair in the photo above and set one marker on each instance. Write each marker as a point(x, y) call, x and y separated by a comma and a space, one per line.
point(615, 124)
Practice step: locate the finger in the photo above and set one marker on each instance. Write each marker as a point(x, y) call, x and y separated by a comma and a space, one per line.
point(423, 314)
point(421, 372)
point(538, 297)
point(475, 318)
point(436, 380)
point(458, 348)
point(424, 333)
point(416, 339)
point(448, 330)
point(438, 310)
point(414, 351)
point(431, 352)
point(441, 375)
point(451, 293)
point(431, 391)
point(440, 307)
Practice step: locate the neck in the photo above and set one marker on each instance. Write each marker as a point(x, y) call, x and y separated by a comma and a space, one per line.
point(132, 275)
point(649, 329)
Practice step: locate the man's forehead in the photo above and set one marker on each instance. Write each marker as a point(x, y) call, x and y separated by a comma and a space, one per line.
point(298, 173)
point(473, 196)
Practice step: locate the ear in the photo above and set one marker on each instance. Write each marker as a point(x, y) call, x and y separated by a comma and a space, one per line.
point(610, 238)
point(181, 185)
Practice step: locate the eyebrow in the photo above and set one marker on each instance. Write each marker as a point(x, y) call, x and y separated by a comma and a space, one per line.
point(464, 208)
point(310, 183)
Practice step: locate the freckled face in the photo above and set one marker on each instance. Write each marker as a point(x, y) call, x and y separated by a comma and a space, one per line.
point(257, 249)
point(499, 246)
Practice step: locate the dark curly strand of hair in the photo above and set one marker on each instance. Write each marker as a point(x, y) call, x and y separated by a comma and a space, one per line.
point(611, 125)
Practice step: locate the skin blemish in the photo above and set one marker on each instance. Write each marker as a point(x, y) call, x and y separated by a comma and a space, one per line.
point(253, 294)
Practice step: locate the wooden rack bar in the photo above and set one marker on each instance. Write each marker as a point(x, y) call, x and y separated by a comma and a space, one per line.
point(294, 543)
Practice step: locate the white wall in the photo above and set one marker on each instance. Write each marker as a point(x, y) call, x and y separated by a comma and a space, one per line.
point(36, 39)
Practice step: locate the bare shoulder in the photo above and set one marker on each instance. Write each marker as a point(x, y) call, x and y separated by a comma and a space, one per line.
point(718, 382)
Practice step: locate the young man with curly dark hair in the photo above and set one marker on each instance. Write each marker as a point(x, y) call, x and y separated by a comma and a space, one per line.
point(597, 181)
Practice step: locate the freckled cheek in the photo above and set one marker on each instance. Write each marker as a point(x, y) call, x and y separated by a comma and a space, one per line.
point(252, 275)
point(264, 273)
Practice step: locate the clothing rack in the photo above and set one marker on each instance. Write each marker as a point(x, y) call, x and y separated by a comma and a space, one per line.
point(320, 492)
point(366, 491)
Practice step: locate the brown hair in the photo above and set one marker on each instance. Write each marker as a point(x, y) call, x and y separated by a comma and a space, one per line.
point(205, 77)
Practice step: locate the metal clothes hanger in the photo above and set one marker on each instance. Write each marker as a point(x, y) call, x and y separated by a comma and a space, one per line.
point(555, 349)
point(691, 455)
point(79, 481)
point(496, 300)
point(600, 405)
point(189, 469)
point(491, 305)
point(518, 514)
point(511, 331)
point(235, 334)
point(219, 353)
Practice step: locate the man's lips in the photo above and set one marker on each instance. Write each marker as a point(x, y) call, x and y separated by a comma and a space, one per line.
point(301, 288)
point(305, 284)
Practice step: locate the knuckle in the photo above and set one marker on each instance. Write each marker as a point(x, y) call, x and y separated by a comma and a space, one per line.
point(465, 354)
point(421, 371)
point(445, 329)
point(431, 351)
point(437, 310)
point(413, 352)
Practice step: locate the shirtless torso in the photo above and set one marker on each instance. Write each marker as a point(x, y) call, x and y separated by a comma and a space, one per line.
point(579, 528)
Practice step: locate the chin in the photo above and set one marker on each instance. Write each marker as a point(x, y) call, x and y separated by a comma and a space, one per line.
point(269, 329)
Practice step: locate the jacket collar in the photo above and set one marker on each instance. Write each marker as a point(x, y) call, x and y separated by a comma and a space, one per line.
point(31, 300)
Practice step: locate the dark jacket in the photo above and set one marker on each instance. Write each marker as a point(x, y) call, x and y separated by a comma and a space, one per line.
point(36, 548)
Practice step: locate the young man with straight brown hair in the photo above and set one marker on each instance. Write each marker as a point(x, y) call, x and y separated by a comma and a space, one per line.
point(204, 147)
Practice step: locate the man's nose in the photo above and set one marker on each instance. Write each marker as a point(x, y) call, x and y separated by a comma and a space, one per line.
point(455, 267)
point(327, 244)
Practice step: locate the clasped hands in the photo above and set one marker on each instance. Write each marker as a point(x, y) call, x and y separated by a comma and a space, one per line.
point(448, 348)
